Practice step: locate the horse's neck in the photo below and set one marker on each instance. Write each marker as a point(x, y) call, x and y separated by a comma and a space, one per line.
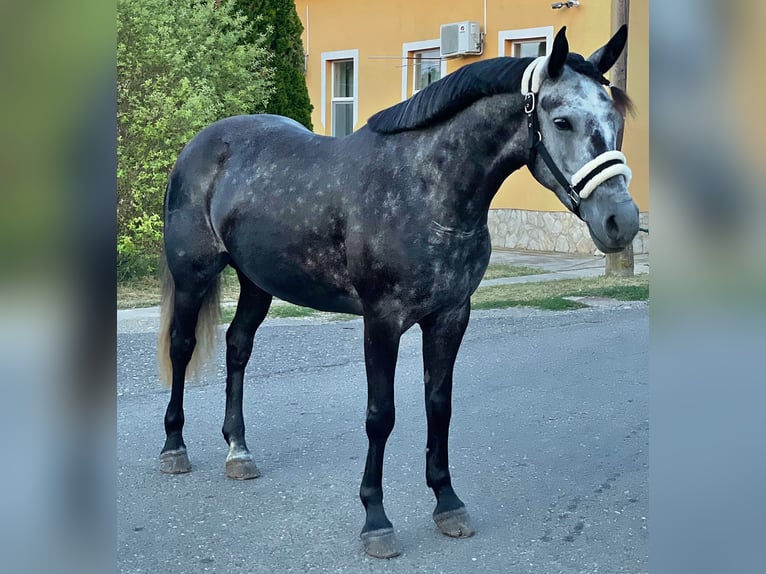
point(486, 145)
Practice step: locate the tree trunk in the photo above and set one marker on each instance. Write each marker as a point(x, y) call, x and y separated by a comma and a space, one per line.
point(620, 264)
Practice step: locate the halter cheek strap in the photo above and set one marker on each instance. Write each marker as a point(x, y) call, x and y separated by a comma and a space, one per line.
point(585, 180)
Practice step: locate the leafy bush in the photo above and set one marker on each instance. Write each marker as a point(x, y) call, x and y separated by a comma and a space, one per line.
point(181, 65)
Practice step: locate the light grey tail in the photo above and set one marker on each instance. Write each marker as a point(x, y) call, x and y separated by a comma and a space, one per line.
point(205, 333)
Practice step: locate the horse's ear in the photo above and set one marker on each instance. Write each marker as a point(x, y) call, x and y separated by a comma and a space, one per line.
point(605, 57)
point(559, 54)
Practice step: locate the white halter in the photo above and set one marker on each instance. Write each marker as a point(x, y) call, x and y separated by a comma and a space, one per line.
point(586, 179)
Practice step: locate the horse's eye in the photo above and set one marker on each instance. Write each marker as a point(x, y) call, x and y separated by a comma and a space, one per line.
point(562, 124)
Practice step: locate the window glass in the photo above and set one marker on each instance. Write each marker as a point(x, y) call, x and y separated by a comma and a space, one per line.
point(342, 118)
point(343, 79)
point(427, 68)
point(529, 48)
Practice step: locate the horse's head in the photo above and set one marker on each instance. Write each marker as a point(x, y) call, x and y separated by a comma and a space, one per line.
point(573, 127)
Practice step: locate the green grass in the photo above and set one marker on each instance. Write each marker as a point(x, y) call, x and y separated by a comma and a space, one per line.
point(146, 292)
point(284, 311)
point(547, 295)
point(547, 304)
point(498, 270)
point(623, 292)
point(550, 295)
point(288, 311)
point(139, 293)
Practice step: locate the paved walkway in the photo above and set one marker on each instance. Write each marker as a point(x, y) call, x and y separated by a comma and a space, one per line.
point(556, 265)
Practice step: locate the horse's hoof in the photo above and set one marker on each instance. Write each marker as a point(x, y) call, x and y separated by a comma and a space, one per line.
point(455, 523)
point(381, 543)
point(175, 461)
point(242, 468)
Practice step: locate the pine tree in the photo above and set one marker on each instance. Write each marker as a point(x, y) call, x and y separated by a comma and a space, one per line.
point(290, 96)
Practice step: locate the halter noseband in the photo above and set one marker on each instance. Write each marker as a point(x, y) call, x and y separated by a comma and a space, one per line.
point(589, 176)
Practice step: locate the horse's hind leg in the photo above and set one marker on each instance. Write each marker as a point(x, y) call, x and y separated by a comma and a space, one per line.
point(251, 310)
point(442, 334)
point(191, 291)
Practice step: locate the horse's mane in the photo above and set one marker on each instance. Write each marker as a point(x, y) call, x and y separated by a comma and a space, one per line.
point(455, 92)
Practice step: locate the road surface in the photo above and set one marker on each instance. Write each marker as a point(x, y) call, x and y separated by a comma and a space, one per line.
point(548, 449)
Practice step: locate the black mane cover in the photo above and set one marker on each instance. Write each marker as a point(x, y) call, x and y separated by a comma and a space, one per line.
point(453, 93)
point(463, 87)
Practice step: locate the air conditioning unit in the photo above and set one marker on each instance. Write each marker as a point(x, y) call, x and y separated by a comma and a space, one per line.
point(460, 39)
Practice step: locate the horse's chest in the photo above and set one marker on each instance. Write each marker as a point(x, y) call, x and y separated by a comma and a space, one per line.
point(416, 273)
point(454, 269)
point(453, 283)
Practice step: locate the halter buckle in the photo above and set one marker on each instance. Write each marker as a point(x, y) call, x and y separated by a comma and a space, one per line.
point(574, 197)
point(530, 102)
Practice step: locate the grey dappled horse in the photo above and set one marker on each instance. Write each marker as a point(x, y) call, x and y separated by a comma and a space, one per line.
point(389, 223)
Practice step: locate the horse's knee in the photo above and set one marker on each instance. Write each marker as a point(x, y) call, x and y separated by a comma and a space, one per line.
point(380, 421)
point(440, 407)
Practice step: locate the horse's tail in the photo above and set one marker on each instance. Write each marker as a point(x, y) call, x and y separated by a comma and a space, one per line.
point(205, 333)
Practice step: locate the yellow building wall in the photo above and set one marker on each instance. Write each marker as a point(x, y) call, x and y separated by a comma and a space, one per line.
point(378, 28)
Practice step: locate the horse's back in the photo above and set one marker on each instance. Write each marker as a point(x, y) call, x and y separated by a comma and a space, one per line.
point(229, 151)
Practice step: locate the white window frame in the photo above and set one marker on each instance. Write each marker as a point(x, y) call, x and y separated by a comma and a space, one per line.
point(408, 48)
point(330, 57)
point(522, 34)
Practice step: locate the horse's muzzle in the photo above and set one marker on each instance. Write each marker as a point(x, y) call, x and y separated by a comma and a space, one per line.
point(613, 231)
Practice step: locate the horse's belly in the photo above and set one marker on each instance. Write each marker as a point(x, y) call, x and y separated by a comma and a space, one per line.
point(289, 250)
point(319, 282)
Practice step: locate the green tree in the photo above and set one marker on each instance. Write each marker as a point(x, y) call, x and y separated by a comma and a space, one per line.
point(291, 96)
point(181, 65)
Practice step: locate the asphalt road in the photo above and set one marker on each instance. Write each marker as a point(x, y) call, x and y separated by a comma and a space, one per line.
point(549, 450)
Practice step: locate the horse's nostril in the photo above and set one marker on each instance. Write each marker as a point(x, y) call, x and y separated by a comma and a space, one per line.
point(612, 229)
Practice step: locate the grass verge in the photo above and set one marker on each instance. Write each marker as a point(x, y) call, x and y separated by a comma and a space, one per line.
point(288, 311)
point(547, 295)
point(146, 292)
point(500, 270)
point(138, 293)
point(552, 295)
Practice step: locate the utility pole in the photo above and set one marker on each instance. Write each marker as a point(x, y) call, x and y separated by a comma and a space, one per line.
point(620, 264)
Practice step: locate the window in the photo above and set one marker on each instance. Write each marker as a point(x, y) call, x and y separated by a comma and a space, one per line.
point(340, 92)
point(426, 68)
point(529, 48)
point(342, 97)
point(525, 43)
point(421, 65)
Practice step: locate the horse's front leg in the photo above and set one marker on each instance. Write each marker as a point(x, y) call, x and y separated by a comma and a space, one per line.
point(381, 346)
point(442, 335)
